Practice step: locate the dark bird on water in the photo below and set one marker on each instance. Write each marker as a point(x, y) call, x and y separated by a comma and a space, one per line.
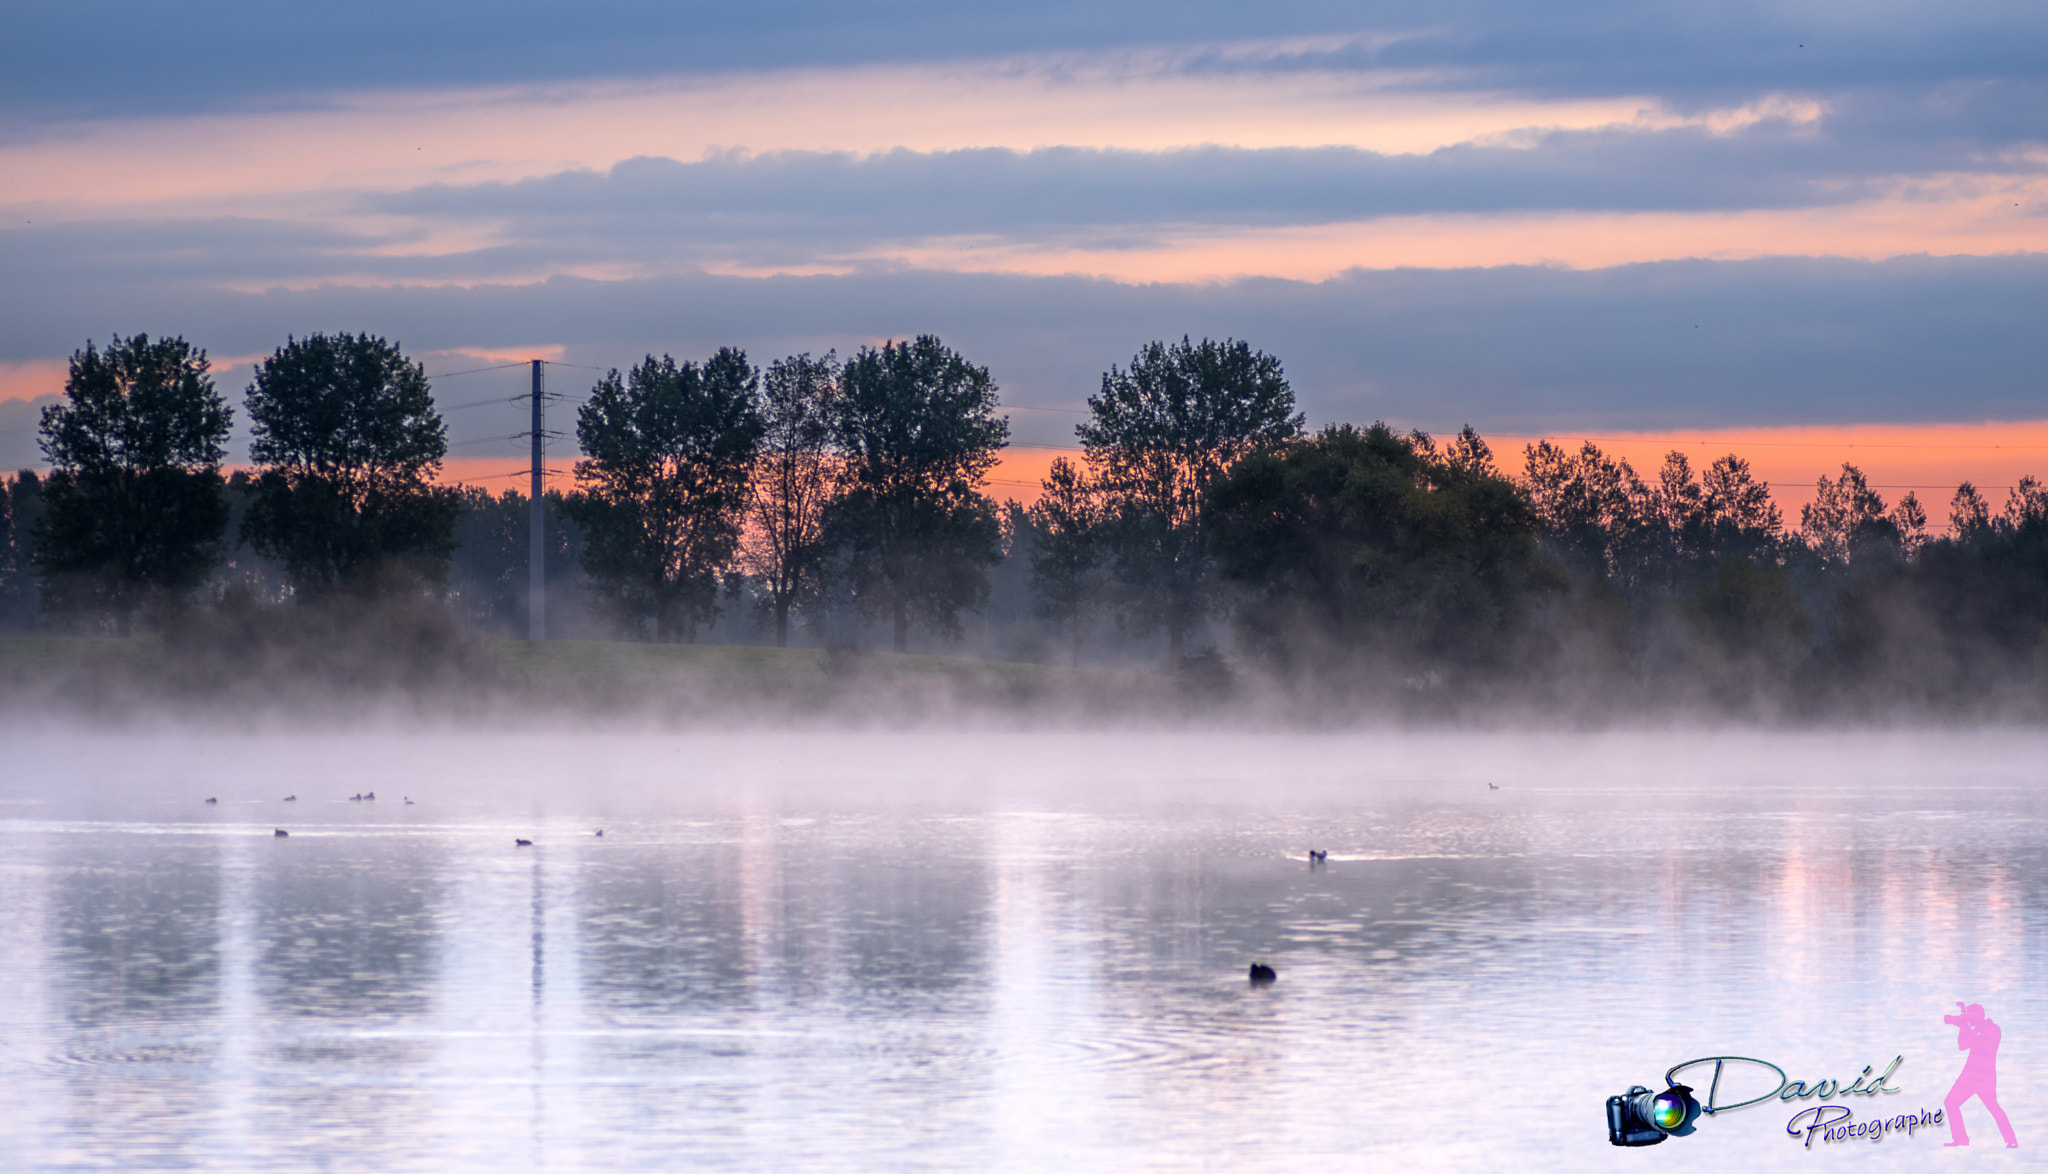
point(279, 834)
point(522, 843)
point(599, 833)
point(213, 800)
point(1318, 856)
point(1493, 786)
point(291, 798)
point(1263, 974)
point(408, 801)
point(370, 795)
point(357, 798)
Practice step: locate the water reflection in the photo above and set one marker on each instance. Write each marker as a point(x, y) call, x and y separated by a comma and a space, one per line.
point(997, 977)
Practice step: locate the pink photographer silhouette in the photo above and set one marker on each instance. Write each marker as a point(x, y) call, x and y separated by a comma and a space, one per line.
point(1978, 1036)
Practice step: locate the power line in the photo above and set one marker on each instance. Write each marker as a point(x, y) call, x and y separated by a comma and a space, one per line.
point(488, 439)
point(473, 371)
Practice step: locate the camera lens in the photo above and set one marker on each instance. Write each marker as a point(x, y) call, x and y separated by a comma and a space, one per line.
point(1668, 1112)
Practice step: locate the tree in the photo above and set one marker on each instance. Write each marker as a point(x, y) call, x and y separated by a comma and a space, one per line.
point(792, 484)
point(347, 443)
point(133, 508)
point(670, 449)
point(1367, 545)
point(1740, 518)
point(488, 580)
point(1066, 550)
point(917, 433)
point(23, 497)
point(1969, 516)
point(1847, 520)
point(1597, 513)
point(1158, 434)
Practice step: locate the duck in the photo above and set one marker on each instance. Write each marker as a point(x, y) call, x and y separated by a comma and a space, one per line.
point(1318, 856)
point(291, 798)
point(599, 833)
point(370, 795)
point(522, 843)
point(356, 798)
point(1263, 974)
point(1493, 786)
point(408, 801)
point(279, 834)
point(213, 800)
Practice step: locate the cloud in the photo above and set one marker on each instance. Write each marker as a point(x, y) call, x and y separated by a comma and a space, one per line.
point(838, 203)
point(1142, 215)
point(111, 58)
point(1675, 344)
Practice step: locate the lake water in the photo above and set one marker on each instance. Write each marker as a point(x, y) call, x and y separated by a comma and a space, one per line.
point(1002, 951)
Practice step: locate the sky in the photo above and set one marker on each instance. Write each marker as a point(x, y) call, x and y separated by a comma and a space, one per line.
point(1637, 220)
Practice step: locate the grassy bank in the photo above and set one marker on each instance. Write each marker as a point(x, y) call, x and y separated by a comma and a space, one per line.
point(597, 677)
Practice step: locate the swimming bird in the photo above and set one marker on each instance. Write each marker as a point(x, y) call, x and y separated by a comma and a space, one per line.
point(599, 833)
point(291, 798)
point(1318, 856)
point(1493, 786)
point(522, 843)
point(370, 795)
point(356, 798)
point(213, 800)
point(1263, 974)
point(279, 834)
point(408, 801)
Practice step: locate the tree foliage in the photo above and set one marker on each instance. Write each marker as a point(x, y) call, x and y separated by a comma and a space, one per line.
point(1066, 544)
point(1847, 521)
point(488, 579)
point(1158, 434)
point(669, 451)
point(793, 480)
point(917, 432)
point(1370, 549)
point(133, 511)
point(347, 442)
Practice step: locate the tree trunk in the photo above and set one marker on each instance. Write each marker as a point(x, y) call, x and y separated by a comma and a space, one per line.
point(902, 621)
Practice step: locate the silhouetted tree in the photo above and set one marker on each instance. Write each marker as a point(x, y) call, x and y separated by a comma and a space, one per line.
point(793, 479)
point(1158, 434)
point(1372, 547)
point(1969, 516)
point(1066, 551)
point(347, 443)
point(670, 450)
point(133, 512)
point(1847, 520)
point(917, 431)
point(1751, 633)
point(1740, 518)
point(1597, 514)
point(488, 576)
point(21, 499)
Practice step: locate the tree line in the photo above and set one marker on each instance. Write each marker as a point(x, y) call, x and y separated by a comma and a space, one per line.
point(1342, 563)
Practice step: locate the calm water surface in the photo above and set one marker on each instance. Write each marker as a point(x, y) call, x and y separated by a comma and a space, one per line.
point(1000, 952)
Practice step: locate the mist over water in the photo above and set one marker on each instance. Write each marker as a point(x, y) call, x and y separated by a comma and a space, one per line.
point(997, 950)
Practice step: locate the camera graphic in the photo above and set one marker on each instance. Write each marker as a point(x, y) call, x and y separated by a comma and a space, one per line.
point(1642, 1117)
